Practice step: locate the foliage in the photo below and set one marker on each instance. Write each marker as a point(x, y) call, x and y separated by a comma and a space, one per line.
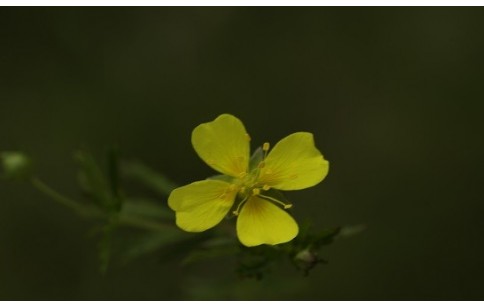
point(130, 227)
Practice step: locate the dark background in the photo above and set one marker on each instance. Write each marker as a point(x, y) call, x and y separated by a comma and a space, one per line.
point(393, 96)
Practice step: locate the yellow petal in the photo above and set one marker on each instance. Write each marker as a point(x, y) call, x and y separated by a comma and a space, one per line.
point(223, 144)
point(294, 163)
point(261, 222)
point(201, 205)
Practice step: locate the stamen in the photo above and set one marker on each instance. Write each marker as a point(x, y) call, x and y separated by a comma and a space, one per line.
point(228, 191)
point(284, 205)
point(236, 212)
point(256, 191)
point(266, 146)
point(266, 187)
point(242, 175)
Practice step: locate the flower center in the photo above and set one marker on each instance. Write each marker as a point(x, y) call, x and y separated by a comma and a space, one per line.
point(249, 182)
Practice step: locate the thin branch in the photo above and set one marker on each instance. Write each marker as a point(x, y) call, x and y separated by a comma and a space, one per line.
point(80, 209)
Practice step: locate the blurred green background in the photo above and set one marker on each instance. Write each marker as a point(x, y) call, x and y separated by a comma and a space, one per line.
point(393, 96)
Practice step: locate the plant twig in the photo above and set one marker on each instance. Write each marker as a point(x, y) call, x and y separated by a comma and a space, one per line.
point(80, 209)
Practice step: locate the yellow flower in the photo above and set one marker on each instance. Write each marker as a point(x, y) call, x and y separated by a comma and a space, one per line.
point(294, 163)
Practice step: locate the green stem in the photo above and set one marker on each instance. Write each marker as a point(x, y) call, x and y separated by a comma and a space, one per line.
point(144, 224)
point(45, 189)
point(94, 213)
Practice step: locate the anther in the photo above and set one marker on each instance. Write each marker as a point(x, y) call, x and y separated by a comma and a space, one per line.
point(276, 201)
point(266, 187)
point(256, 191)
point(242, 189)
point(236, 212)
point(266, 146)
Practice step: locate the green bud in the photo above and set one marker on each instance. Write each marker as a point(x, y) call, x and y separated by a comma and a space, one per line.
point(16, 165)
point(307, 259)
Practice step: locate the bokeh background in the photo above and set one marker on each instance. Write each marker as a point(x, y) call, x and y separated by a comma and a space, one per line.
point(392, 95)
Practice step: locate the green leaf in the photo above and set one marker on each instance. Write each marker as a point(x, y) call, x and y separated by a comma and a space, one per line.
point(256, 262)
point(192, 241)
point(113, 177)
point(141, 173)
point(147, 215)
point(104, 191)
point(349, 231)
point(324, 237)
point(147, 209)
point(139, 245)
point(304, 249)
point(213, 248)
point(92, 180)
point(105, 244)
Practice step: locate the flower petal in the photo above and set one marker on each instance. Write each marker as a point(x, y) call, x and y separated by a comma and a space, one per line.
point(294, 163)
point(261, 222)
point(223, 144)
point(201, 205)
